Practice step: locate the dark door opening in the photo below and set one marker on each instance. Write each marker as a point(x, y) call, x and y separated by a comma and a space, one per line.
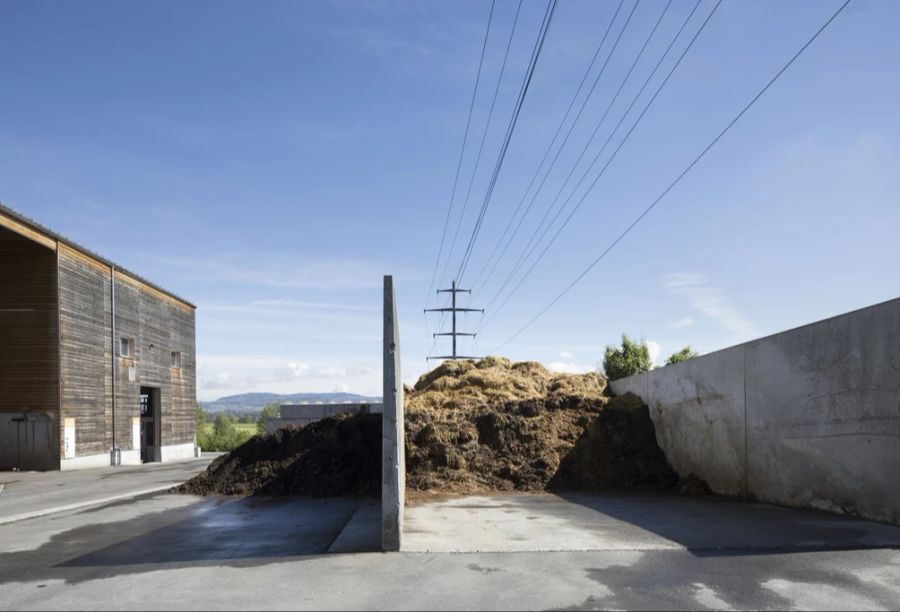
point(150, 428)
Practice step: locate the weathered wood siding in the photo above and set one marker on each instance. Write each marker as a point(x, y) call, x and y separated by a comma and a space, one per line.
point(84, 316)
point(29, 364)
point(157, 326)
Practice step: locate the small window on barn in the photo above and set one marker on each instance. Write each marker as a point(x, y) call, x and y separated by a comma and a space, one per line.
point(176, 359)
point(126, 347)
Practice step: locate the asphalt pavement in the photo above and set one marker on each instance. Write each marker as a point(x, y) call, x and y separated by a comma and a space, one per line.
point(639, 552)
point(26, 495)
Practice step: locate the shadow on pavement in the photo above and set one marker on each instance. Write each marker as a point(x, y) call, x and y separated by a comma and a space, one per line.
point(250, 528)
point(717, 526)
point(218, 531)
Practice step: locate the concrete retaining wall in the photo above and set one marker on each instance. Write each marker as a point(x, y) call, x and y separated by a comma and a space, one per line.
point(170, 453)
point(393, 447)
point(321, 411)
point(807, 417)
point(305, 414)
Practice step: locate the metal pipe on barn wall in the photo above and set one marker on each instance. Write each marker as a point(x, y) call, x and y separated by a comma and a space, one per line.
point(115, 455)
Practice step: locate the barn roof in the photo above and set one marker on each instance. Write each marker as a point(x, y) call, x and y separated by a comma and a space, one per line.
point(22, 225)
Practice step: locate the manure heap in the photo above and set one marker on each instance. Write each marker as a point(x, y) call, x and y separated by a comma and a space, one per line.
point(496, 426)
point(336, 457)
point(471, 427)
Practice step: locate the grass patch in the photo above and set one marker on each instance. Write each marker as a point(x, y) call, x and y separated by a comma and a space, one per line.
point(248, 429)
point(224, 435)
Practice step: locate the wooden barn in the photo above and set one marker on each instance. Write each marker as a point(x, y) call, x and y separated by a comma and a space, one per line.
point(97, 365)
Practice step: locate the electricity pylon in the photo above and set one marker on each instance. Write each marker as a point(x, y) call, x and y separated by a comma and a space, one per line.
point(453, 309)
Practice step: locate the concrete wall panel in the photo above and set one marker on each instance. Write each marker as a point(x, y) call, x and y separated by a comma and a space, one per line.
point(807, 417)
point(824, 414)
point(698, 409)
point(393, 453)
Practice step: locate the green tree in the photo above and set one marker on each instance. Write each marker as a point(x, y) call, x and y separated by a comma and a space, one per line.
point(684, 354)
point(201, 436)
point(223, 427)
point(221, 435)
point(269, 411)
point(200, 417)
point(628, 359)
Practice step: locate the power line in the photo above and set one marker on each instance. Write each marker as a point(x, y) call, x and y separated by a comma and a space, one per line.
point(535, 54)
point(550, 146)
point(476, 164)
point(597, 157)
point(532, 244)
point(566, 139)
point(481, 146)
point(461, 152)
point(678, 179)
point(539, 45)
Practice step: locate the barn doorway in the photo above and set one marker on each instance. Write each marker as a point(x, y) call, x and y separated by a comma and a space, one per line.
point(150, 425)
point(29, 354)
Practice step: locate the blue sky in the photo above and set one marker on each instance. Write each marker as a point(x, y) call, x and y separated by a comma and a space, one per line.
point(270, 161)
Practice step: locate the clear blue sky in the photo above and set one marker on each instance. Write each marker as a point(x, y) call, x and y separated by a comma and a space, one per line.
point(271, 160)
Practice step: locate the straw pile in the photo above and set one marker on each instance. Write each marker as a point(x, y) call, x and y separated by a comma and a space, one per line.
point(497, 426)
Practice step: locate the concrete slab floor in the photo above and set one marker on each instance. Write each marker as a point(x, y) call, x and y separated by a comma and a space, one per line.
point(590, 521)
point(183, 552)
point(27, 494)
point(163, 528)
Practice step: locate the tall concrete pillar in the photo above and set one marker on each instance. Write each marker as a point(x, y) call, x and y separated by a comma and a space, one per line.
point(393, 451)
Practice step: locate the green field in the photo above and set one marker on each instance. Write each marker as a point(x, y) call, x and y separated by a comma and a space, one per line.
point(242, 428)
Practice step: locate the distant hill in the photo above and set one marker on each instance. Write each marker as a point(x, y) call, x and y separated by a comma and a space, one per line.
point(247, 402)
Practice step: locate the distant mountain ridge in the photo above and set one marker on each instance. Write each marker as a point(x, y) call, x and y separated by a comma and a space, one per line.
point(256, 401)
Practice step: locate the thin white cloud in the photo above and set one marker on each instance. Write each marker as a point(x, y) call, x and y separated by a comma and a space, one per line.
point(685, 322)
point(344, 371)
point(304, 304)
point(364, 312)
point(566, 354)
point(284, 270)
point(291, 371)
point(220, 375)
point(294, 322)
point(553, 348)
point(570, 368)
point(654, 349)
point(383, 42)
point(712, 302)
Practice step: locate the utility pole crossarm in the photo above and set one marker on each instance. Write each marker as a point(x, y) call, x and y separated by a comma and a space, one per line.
point(453, 309)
